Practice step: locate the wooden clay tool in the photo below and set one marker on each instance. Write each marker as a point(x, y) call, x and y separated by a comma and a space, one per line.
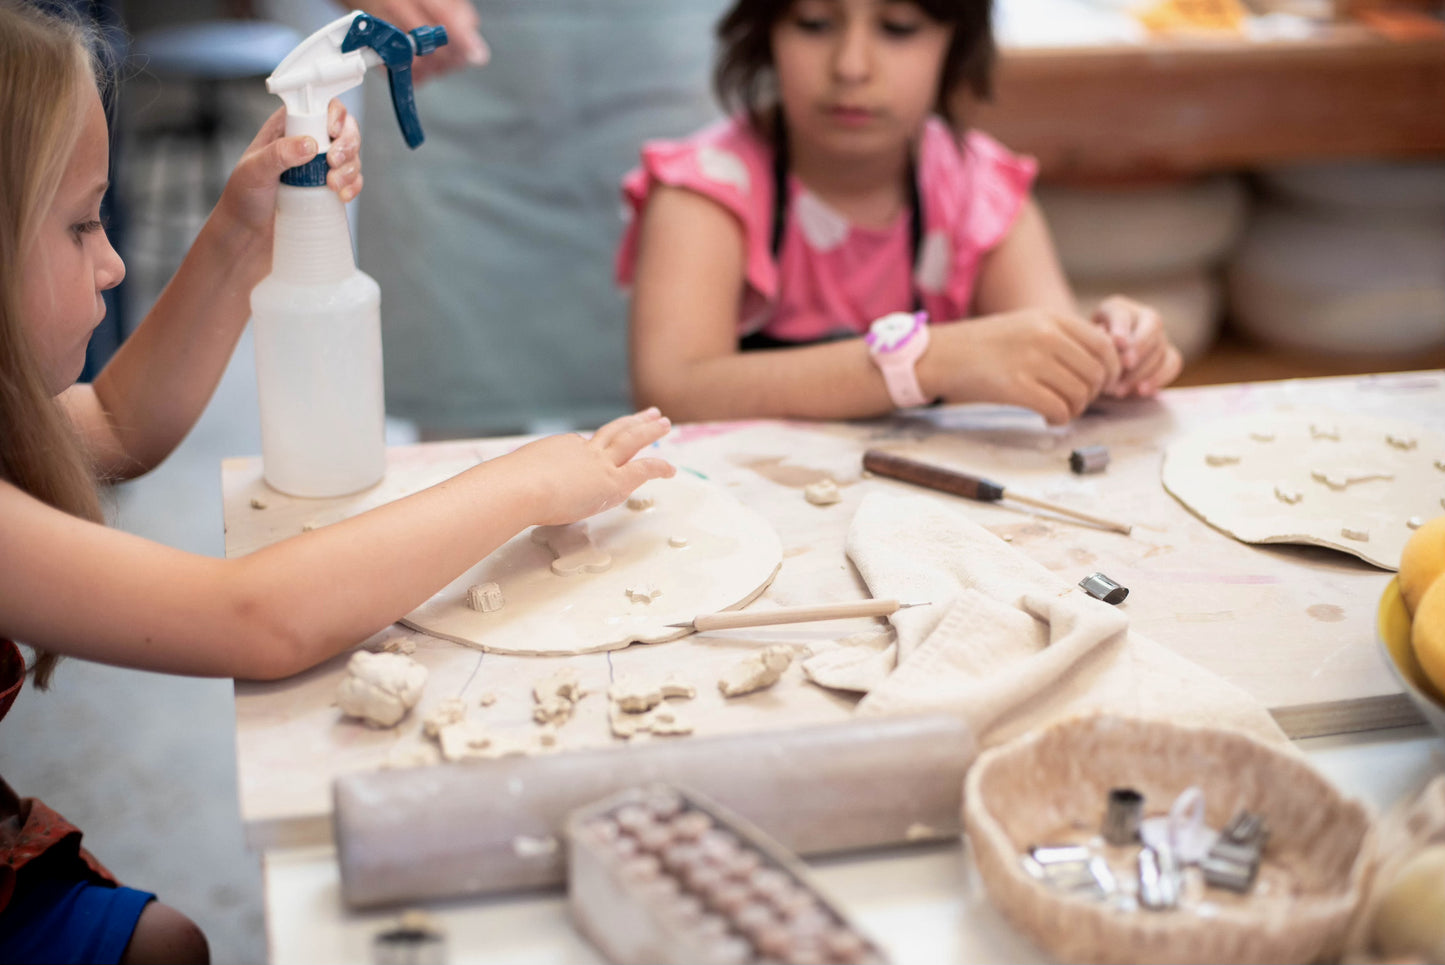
point(730, 619)
point(491, 826)
point(971, 487)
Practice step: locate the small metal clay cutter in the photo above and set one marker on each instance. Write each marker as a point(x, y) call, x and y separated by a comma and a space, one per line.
point(1088, 459)
point(1100, 587)
point(1233, 860)
point(1070, 868)
point(1122, 815)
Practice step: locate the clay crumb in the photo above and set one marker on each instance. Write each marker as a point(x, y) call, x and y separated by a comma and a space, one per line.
point(824, 492)
point(1440, 464)
point(643, 593)
point(1404, 443)
point(1414, 522)
point(448, 712)
point(1286, 495)
point(639, 502)
point(1262, 436)
point(1325, 432)
point(756, 672)
point(556, 695)
point(308, 527)
point(257, 502)
point(1221, 459)
point(677, 542)
point(1362, 535)
point(485, 597)
point(488, 699)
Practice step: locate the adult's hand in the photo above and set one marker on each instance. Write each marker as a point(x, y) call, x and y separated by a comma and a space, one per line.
point(465, 46)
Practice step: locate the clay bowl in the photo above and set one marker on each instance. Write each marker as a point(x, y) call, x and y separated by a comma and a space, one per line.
point(1050, 786)
point(1392, 626)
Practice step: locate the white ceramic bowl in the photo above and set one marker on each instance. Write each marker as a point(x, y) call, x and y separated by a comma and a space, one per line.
point(1393, 634)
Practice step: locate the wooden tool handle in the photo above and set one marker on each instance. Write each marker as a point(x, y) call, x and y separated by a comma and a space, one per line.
point(933, 477)
point(493, 826)
point(731, 619)
point(973, 487)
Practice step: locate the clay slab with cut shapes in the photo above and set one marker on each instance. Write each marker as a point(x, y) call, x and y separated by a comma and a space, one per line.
point(1346, 482)
point(728, 555)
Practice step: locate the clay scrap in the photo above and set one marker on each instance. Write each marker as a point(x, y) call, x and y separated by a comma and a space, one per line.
point(380, 688)
point(1343, 481)
point(638, 704)
point(756, 672)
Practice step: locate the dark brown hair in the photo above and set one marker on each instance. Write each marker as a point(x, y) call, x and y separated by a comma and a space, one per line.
point(743, 70)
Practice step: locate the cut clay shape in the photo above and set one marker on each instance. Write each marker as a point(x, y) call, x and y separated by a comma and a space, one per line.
point(637, 502)
point(1220, 459)
point(634, 694)
point(662, 720)
point(824, 492)
point(1351, 482)
point(555, 697)
point(1401, 442)
point(485, 597)
point(380, 687)
point(757, 672)
point(732, 555)
point(572, 548)
point(645, 593)
point(1286, 495)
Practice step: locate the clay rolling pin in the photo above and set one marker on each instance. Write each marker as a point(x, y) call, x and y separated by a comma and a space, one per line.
point(492, 826)
point(972, 487)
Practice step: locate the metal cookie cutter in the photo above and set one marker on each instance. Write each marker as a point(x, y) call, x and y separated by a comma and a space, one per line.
point(1070, 868)
point(1159, 879)
point(1087, 459)
point(1233, 860)
point(1122, 815)
point(1100, 587)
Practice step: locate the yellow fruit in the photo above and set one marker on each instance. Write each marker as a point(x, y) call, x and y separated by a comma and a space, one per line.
point(1409, 921)
point(1421, 561)
point(1427, 634)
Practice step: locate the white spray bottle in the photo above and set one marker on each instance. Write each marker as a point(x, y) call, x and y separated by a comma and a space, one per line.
point(317, 318)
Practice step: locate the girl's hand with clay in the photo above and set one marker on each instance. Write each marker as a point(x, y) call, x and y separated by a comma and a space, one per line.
point(1149, 361)
point(1048, 361)
point(577, 477)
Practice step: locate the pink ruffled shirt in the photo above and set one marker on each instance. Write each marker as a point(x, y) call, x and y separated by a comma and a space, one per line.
point(835, 277)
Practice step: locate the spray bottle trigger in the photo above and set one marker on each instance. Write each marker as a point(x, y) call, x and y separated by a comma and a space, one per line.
point(396, 50)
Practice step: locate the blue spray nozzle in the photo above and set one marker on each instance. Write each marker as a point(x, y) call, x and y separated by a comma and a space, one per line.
point(397, 50)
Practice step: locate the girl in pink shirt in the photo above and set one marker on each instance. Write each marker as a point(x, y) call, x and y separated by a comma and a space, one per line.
point(836, 204)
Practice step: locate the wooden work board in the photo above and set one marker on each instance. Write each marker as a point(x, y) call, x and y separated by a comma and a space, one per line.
point(1293, 626)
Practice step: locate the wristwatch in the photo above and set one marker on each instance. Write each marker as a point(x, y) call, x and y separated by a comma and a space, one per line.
point(895, 342)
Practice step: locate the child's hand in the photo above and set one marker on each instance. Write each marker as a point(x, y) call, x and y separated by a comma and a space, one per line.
point(576, 477)
point(1149, 361)
point(1053, 363)
point(250, 195)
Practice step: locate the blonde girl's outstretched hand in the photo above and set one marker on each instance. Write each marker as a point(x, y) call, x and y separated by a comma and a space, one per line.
point(1148, 360)
point(250, 195)
point(577, 477)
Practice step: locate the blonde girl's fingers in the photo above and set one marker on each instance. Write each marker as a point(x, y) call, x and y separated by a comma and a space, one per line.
point(636, 436)
point(608, 432)
point(335, 118)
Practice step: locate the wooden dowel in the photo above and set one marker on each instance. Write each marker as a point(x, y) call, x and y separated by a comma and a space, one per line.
point(732, 619)
point(972, 487)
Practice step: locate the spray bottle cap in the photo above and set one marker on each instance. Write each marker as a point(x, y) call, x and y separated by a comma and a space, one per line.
point(335, 59)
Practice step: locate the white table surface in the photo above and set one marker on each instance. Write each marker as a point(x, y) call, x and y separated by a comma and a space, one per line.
point(923, 904)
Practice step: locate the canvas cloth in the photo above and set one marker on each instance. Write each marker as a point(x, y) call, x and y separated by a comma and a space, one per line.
point(1006, 644)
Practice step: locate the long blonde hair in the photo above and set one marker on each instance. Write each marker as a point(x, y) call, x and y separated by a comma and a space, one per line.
point(44, 62)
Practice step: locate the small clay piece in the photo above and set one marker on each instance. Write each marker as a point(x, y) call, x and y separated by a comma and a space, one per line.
point(639, 502)
point(1262, 436)
point(307, 527)
point(465, 739)
point(416, 938)
point(552, 710)
point(449, 712)
point(380, 688)
point(488, 699)
point(1343, 480)
point(1221, 459)
point(756, 672)
point(404, 645)
point(677, 542)
point(257, 502)
point(643, 593)
point(824, 492)
point(1414, 522)
point(638, 694)
point(1405, 443)
point(485, 597)
point(555, 696)
point(1362, 535)
point(1286, 495)
point(573, 549)
point(1325, 432)
point(1440, 464)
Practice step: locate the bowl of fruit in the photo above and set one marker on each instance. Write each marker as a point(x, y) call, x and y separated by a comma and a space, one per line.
point(1411, 621)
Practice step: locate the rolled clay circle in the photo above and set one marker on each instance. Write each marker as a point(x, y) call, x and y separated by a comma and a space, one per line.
point(732, 555)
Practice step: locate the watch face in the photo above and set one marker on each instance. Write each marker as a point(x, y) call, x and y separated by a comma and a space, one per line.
point(891, 331)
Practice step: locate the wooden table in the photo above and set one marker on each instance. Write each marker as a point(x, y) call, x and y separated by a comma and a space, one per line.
point(1292, 626)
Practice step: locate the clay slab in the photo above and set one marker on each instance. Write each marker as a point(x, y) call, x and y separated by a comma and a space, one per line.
point(1346, 482)
point(729, 554)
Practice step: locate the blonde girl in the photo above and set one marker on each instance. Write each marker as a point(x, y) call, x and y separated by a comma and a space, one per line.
point(71, 586)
